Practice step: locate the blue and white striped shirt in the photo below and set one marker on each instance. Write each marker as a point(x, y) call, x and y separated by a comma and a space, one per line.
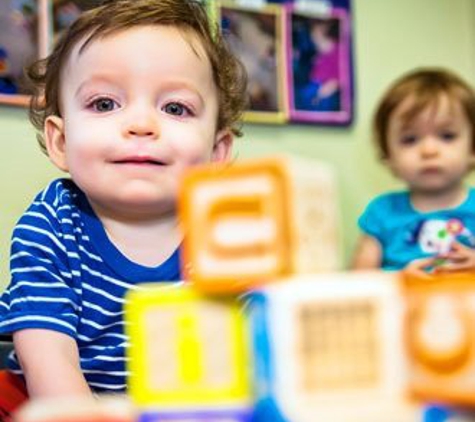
point(68, 277)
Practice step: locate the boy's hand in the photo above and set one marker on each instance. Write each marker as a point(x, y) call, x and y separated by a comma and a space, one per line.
point(460, 258)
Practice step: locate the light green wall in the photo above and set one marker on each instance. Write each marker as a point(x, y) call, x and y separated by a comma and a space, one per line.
point(390, 37)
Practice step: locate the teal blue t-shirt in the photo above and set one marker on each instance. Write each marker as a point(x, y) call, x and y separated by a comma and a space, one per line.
point(406, 234)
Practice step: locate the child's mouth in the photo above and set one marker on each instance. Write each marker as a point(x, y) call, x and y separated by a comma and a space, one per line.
point(140, 161)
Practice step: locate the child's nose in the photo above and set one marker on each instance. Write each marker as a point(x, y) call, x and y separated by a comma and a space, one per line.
point(429, 146)
point(143, 123)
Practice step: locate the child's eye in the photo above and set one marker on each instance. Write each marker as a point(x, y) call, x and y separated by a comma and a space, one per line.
point(448, 135)
point(103, 105)
point(408, 139)
point(176, 109)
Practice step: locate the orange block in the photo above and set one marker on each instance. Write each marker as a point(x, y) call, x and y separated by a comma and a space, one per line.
point(237, 225)
point(440, 337)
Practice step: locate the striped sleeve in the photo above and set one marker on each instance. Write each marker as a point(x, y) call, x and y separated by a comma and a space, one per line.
point(41, 293)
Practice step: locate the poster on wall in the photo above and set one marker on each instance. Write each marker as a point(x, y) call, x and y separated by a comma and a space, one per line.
point(320, 68)
point(255, 33)
point(23, 40)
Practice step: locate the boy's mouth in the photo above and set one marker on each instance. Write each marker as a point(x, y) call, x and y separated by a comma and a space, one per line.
point(140, 161)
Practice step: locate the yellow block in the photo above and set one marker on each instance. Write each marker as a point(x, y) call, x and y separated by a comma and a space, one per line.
point(186, 349)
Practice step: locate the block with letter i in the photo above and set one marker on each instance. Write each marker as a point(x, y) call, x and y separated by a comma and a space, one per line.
point(188, 355)
point(237, 225)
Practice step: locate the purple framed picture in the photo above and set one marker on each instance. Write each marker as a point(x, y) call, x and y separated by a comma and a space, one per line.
point(320, 76)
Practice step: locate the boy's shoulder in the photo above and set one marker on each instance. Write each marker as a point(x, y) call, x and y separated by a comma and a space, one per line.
point(58, 192)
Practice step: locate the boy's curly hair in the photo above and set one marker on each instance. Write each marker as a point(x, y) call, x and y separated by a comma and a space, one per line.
point(425, 86)
point(117, 15)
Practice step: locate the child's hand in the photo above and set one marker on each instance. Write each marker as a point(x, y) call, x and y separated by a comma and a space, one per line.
point(460, 258)
point(420, 268)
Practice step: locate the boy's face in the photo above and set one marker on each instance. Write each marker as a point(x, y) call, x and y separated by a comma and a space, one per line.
point(138, 108)
point(433, 151)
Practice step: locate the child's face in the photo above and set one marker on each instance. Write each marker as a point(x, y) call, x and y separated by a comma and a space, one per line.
point(138, 108)
point(433, 152)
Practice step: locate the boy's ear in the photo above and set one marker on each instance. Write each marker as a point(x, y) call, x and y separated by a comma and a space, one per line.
point(55, 141)
point(223, 146)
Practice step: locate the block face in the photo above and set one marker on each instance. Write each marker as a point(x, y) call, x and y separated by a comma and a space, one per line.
point(316, 222)
point(186, 350)
point(440, 339)
point(338, 345)
point(237, 225)
point(217, 415)
point(333, 339)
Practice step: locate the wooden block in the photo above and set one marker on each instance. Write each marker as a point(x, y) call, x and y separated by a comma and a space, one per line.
point(440, 337)
point(186, 350)
point(331, 344)
point(237, 225)
point(257, 221)
point(210, 415)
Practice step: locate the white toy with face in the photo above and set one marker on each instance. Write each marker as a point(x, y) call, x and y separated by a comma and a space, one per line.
point(437, 236)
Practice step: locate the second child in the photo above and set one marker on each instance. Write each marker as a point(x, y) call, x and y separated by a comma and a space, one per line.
point(425, 134)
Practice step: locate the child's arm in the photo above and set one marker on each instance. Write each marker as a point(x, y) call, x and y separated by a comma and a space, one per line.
point(368, 253)
point(50, 362)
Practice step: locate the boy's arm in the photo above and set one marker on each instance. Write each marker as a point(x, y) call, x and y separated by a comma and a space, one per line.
point(50, 362)
point(368, 254)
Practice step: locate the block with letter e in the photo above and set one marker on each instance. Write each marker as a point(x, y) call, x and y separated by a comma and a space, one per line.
point(237, 225)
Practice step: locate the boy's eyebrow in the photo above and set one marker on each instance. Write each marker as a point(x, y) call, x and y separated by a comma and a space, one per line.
point(95, 79)
point(171, 85)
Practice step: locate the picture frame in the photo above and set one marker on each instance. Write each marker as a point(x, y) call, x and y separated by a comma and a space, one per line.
point(255, 33)
point(23, 39)
point(65, 12)
point(320, 71)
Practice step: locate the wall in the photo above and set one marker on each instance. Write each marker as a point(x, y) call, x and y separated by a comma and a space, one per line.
point(391, 37)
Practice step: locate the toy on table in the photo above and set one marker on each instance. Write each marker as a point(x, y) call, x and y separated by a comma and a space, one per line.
point(100, 409)
point(188, 353)
point(257, 221)
point(334, 347)
point(237, 225)
point(440, 337)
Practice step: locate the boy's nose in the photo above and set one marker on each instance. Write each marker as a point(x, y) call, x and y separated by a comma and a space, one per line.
point(142, 123)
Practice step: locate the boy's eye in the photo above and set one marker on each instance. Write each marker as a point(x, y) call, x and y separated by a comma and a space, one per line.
point(176, 109)
point(103, 105)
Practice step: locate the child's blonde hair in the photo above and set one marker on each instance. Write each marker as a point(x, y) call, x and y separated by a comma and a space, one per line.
point(425, 87)
point(117, 15)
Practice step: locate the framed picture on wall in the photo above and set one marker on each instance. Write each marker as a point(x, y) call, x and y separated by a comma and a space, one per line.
point(319, 65)
point(65, 12)
point(256, 34)
point(23, 40)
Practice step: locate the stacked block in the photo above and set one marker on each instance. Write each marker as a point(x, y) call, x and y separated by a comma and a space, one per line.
point(330, 346)
point(237, 225)
point(440, 337)
point(258, 221)
point(189, 355)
